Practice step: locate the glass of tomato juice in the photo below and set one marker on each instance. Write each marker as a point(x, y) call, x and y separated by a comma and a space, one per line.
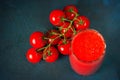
point(87, 52)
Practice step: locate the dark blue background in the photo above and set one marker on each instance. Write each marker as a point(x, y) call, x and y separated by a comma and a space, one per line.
point(19, 18)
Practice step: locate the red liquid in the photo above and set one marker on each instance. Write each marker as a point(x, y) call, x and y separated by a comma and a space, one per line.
point(88, 48)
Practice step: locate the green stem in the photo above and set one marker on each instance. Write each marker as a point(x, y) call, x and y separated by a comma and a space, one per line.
point(64, 19)
point(64, 40)
point(45, 38)
point(55, 33)
point(40, 49)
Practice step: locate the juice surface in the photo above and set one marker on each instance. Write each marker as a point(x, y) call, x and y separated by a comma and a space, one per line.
point(88, 45)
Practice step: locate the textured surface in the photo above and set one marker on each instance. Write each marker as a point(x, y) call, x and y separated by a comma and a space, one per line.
point(19, 18)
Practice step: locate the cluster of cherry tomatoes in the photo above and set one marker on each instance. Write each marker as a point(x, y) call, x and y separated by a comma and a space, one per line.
point(49, 45)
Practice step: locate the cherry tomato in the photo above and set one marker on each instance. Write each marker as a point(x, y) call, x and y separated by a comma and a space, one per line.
point(82, 22)
point(70, 11)
point(36, 39)
point(52, 32)
point(51, 54)
point(33, 56)
point(56, 17)
point(64, 47)
point(53, 37)
point(67, 32)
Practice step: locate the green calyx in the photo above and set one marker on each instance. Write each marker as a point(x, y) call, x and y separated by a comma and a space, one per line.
point(70, 10)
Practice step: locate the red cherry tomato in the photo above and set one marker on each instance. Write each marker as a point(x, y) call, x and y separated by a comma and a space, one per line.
point(67, 32)
point(56, 17)
point(82, 22)
point(51, 54)
point(64, 47)
point(69, 11)
point(52, 32)
point(36, 39)
point(53, 37)
point(33, 56)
